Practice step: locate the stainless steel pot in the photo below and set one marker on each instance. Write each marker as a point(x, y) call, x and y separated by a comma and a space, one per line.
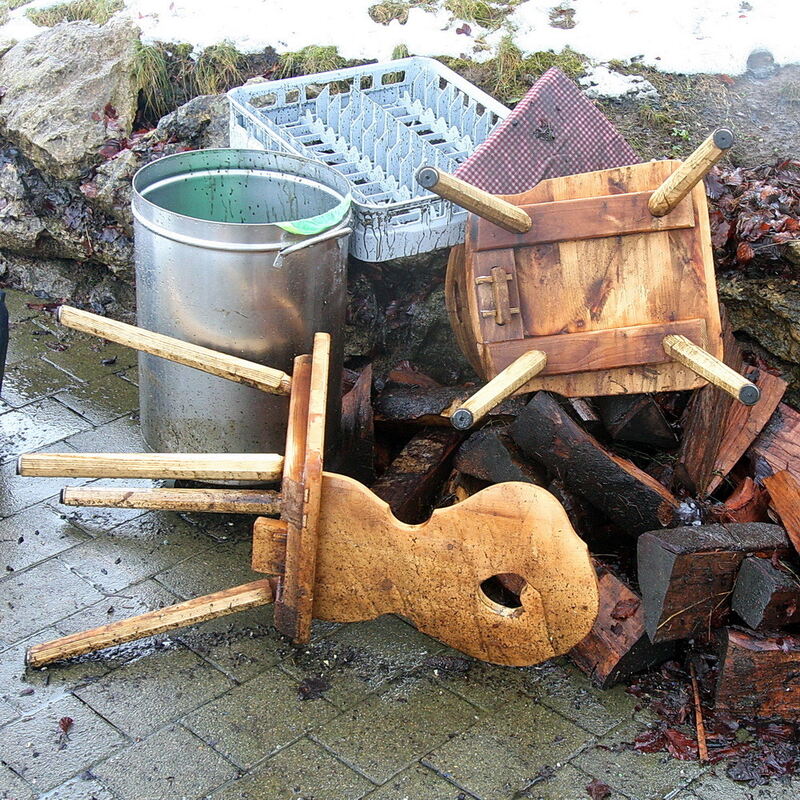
point(213, 267)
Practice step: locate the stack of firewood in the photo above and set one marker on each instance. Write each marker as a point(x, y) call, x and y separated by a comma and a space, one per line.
point(690, 503)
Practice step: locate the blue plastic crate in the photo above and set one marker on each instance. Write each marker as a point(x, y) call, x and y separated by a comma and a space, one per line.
point(376, 124)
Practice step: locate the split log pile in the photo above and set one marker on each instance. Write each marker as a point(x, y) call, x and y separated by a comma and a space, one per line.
point(689, 502)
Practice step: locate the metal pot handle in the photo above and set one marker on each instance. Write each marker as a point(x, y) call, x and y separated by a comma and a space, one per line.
point(334, 233)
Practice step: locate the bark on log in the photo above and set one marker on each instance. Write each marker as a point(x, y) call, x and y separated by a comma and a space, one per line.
point(617, 646)
point(624, 493)
point(766, 596)
point(415, 476)
point(687, 574)
point(491, 455)
point(759, 676)
point(636, 419)
point(403, 403)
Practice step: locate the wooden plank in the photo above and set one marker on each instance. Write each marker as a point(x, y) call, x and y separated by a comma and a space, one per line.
point(595, 350)
point(417, 473)
point(215, 501)
point(370, 564)
point(784, 492)
point(687, 574)
point(626, 494)
point(766, 596)
point(743, 424)
point(617, 646)
point(190, 612)
point(759, 675)
point(585, 218)
point(159, 466)
point(484, 296)
point(778, 446)
point(302, 491)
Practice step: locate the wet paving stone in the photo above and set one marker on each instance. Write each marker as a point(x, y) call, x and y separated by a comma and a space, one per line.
point(143, 695)
point(102, 400)
point(27, 341)
point(716, 787)
point(35, 426)
point(419, 781)
point(644, 776)
point(37, 597)
point(28, 690)
point(221, 566)
point(12, 787)
point(135, 550)
point(18, 493)
point(88, 358)
point(391, 729)
point(120, 436)
point(34, 535)
point(84, 787)
point(506, 751)
point(566, 690)
point(30, 380)
point(567, 783)
point(37, 748)
point(170, 764)
point(361, 657)
point(259, 717)
point(301, 770)
point(242, 644)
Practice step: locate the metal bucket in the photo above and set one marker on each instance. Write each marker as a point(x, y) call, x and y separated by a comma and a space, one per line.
point(214, 268)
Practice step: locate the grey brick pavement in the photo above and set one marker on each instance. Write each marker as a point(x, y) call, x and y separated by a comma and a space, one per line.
point(214, 711)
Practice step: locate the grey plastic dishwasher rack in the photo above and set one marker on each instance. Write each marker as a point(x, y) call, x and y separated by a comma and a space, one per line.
point(376, 124)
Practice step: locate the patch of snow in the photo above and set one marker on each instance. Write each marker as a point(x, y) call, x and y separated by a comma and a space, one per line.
point(714, 36)
point(687, 36)
point(600, 81)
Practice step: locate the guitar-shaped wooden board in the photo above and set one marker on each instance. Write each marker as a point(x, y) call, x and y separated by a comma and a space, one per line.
point(368, 563)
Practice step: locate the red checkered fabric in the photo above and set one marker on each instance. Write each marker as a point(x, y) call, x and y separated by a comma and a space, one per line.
point(555, 130)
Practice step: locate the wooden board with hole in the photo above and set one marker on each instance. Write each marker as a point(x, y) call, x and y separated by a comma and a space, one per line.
point(595, 266)
point(369, 563)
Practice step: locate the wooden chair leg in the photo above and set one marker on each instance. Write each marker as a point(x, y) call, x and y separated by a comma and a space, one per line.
point(214, 501)
point(712, 369)
point(190, 612)
point(503, 385)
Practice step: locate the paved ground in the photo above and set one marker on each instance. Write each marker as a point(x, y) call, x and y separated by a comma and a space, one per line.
point(217, 711)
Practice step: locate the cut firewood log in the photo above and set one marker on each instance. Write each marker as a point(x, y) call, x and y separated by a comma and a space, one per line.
point(759, 675)
point(617, 646)
point(402, 403)
point(747, 503)
point(415, 476)
point(491, 455)
point(624, 493)
point(784, 492)
point(766, 596)
point(358, 430)
point(778, 445)
point(704, 418)
point(687, 574)
point(586, 414)
point(582, 515)
point(636, 419)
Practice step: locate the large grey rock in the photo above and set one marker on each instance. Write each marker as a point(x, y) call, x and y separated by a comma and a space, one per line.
point(67, 91)
point(44, 218)
point(768, 310)
point(200, 123)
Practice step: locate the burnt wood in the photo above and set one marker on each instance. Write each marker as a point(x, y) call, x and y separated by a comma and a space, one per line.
point(766, 596)
point(759, 675)
point(636, 419)
point(627, 495)
point(687, 574)
point(617, 646)
point(491, 455)
point(416, 475)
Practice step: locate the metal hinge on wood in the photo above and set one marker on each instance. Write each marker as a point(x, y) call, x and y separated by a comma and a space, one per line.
point(502, 310)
